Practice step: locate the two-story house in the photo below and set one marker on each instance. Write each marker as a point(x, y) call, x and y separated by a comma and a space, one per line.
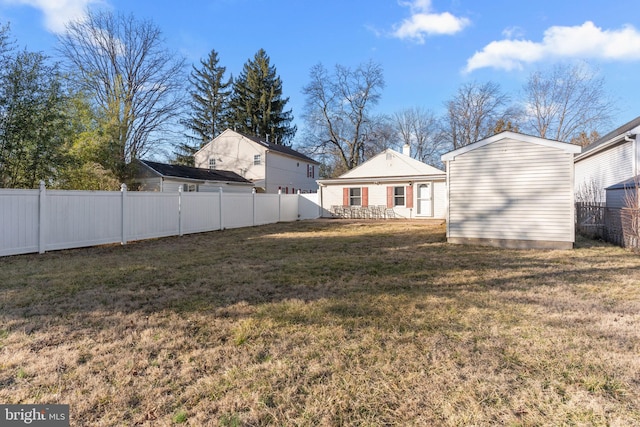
point(271, 167)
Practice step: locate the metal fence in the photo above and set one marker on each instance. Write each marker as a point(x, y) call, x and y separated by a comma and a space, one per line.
point(45, 220)
point(620, 226)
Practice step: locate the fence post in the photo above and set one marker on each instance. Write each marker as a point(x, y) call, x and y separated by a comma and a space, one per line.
point(279, 204)
point(123, 198)
point(221, 209)
point(253, 195)
point(180, 210)
point(42, 220)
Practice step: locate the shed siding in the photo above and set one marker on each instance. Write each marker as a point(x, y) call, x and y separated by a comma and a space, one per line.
point(512, 190)
point(606, 168)
point(616, 198)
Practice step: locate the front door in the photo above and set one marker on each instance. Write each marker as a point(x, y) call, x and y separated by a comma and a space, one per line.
point(425, 199)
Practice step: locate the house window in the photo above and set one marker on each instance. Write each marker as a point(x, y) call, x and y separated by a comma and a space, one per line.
point(311, 171)
point(355, 197)
point(257, 159)
point(398, 196)
point(212, 163)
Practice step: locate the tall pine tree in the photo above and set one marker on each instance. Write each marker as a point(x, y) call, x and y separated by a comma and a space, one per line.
point(257, 105)
point(210, 93)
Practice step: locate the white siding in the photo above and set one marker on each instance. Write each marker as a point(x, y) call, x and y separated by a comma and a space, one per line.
point(234, 153)
point(512, 190)
point(439, 199)
point(289, 174)
point(606, 168)
point(332, 196)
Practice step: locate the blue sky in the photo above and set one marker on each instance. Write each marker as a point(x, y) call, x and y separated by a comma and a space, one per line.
point(427, 48)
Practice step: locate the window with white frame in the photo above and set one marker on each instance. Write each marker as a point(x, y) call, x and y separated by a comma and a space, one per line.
point(311, 171)
point(355, 197)
point(257, 159)
point(398, 196)
point(212, 163)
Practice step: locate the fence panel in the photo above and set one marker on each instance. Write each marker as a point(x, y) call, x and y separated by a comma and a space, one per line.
point(266, 208)
point(74, 219)
point(19, 225)
point(289, 207)
point(309, 206)
point(237, 210)
point(41, 220)
point(151, 215)
point(620, 226)
point(199, 212)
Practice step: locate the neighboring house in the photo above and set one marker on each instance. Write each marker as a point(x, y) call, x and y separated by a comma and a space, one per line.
point(511, 190)
point(612, 159)
point(391, 180)
point(154, 176)
point(271, 167)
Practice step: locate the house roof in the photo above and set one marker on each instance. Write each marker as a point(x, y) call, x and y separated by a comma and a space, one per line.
point(565, 146)
point(388, 166)
point(279, 148)
point(611, 137)
point(189, 172)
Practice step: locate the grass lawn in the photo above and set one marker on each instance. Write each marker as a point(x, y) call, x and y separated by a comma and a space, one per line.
point(324, 323)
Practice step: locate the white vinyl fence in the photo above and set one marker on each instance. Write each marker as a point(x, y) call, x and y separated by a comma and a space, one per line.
point(46, 220)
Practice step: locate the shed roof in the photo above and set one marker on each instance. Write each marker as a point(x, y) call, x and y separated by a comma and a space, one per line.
point(188, 172)
point(565, 146)
point(627, 184)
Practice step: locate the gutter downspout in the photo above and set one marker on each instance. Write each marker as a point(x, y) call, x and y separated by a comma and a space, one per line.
point(636, 150)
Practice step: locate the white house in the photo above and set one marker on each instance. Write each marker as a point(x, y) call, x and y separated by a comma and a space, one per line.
point(154, 176)
point(511, 190)
point(271, 167)
point(612, 159)
point(391, 180)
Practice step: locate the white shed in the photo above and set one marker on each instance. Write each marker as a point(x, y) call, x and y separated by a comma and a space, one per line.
point(511, 190)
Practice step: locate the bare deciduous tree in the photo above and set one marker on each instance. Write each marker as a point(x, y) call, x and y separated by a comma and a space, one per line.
point(566, 101)
point(134, 80)
point(421, 129)
point(474, 112)
point(337, 112)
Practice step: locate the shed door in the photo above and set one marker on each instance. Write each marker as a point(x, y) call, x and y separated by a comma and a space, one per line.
point(425, 199)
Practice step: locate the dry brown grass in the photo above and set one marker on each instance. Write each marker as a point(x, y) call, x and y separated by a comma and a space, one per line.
point(324, 323)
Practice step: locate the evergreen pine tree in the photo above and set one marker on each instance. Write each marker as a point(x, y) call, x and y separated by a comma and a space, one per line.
point(209, 100)
point(257, 105)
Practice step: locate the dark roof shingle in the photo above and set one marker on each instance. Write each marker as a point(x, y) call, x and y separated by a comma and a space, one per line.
point(280, 148)
point(619, 131)
point(179, 171)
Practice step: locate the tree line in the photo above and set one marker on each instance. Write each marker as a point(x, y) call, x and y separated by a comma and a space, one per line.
point(119, 94)
point(565, 103)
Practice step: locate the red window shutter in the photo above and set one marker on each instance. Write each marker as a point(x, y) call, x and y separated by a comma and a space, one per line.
point(408, 200)
point(365, 196)
point(389, 197)
point(345, 197)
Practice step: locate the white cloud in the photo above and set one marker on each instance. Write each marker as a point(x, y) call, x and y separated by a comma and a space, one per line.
point(579, 42)
point(57, 12)
point(423, 22)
